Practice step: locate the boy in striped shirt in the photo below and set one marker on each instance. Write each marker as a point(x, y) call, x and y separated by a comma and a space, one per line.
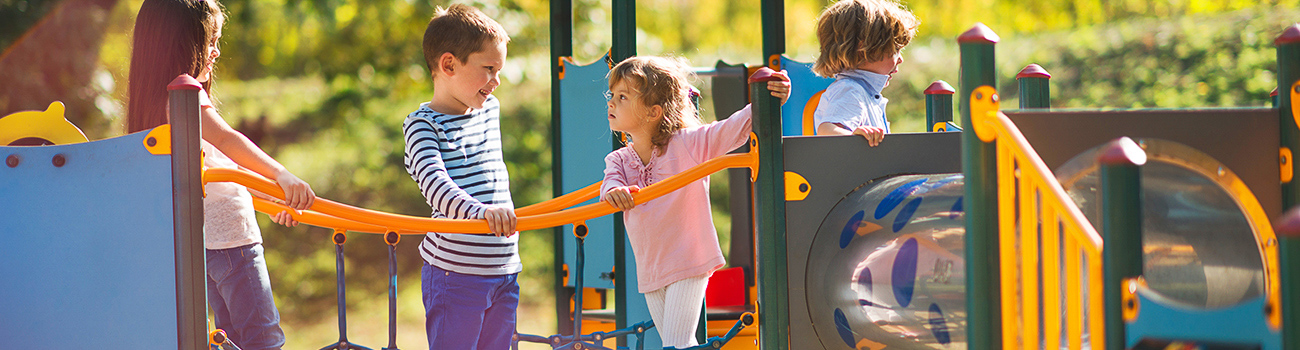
point(453, 152)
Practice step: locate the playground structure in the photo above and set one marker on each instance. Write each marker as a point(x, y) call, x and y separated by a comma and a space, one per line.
point(918, 243)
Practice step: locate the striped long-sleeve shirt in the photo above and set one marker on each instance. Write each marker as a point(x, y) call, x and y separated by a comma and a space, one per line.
point(457, 162)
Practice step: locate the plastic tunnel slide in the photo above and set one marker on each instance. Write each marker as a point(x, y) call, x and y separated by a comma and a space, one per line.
point(886, 265)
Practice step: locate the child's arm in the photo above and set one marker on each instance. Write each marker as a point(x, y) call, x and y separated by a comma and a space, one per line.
point(424, 163)
point(873, 134)
point(613, 188)
point(297, 193)
point(720, 137)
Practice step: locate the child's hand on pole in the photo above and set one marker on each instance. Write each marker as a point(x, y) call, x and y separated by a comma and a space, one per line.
point(285, 218)
point(621, 197)
point(780, 88)
point(297, 193)
point(501, 220)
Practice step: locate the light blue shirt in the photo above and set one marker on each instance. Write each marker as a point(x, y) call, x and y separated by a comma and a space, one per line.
point(854, 100)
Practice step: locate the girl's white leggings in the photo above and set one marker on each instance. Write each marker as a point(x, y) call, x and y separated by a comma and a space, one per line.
point(676, 310)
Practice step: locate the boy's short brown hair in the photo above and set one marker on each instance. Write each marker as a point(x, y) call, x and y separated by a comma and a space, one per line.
point(853, 32)
point(460, 30)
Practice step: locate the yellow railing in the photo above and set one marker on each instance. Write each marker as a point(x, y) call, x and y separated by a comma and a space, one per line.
point(551, 213)
point(1031, 203)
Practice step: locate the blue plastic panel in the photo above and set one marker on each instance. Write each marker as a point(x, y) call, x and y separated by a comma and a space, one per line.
point(1243, 323)
point(585, 139)
point(804, 84)
point(87, 249)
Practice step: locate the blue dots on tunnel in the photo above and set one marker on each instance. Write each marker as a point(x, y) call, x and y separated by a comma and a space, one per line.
point(903, 276)
point(956, 209)
point(939, 325)
point(905, 215)
point(851, 229)
point(842, 326)
point(896, 197)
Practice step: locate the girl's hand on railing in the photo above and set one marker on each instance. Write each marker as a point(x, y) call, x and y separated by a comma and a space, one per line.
point(297, 193)
point(621, 197)
point(284, 218)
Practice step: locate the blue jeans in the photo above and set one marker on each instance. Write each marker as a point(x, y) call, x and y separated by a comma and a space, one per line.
point(468, 312)
point(239, 293)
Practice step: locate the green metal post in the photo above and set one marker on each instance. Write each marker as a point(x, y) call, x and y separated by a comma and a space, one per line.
point(773, 16)
point(1288, 73)
point(938, 104)
point(769, 199)
point(981, 199)
point(1288, 234)
point(1121, 206)
point(1273, 96)
point(561, 46)
point(624, 47)
point(1035, 92)
point(187, 214)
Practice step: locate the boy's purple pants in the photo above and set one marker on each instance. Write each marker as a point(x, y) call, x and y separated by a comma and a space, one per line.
point(468, 312)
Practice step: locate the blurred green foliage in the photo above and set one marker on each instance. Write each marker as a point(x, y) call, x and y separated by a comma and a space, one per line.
point(323, 85)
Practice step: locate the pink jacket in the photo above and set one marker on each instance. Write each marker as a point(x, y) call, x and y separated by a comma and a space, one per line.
point(673, 237)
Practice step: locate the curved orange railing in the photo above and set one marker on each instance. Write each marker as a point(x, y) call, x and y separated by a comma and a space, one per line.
point(1030, 199)
point(335, 215)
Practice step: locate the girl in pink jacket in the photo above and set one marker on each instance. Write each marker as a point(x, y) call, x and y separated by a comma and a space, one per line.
point(672, 237)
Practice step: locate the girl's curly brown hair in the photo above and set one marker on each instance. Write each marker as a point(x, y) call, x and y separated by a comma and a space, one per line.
point(661, 82)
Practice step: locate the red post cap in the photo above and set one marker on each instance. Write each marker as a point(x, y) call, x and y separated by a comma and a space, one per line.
point(940, 87)
point(184, 82)
point(1289, 36)
point(1033, 70)
point(1288, 226)
point(1273, 94)
point(1122, 151)
point(763, 74)
point(980, 34)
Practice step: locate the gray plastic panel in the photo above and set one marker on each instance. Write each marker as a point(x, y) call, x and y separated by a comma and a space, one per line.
point(835, 166)
point(1244, 140)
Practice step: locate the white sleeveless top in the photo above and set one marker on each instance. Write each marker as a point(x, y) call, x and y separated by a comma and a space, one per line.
point(228, 217)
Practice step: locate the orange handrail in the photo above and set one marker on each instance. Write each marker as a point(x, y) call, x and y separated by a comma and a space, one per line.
point(342, 216)
point(1030, 199)
point(567, 200)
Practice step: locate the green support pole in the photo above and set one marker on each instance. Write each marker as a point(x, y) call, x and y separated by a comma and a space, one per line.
point(561, 46)
point(1121, 206)
point(938, 105)
point(1288, 73)
point(1288, 234)
point(773, 16)
point(187, 214)
point(1273, 96)
point(1035, 92)
point(981, 197)
point(624, 12)
point(769, 199)
point(624, 46)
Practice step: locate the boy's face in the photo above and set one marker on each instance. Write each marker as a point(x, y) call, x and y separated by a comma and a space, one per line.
point(887, 66)
point(468, 85)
